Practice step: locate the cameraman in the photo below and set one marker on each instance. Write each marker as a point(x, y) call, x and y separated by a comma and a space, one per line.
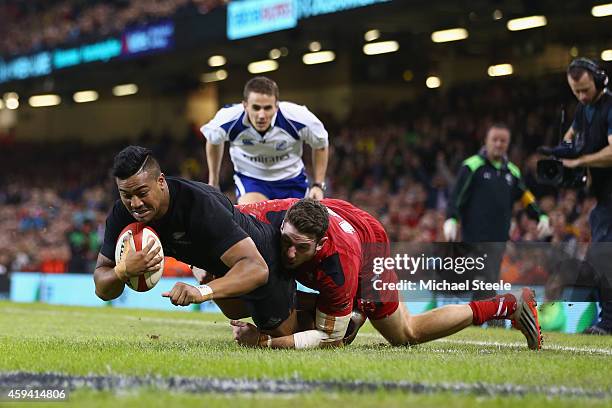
point(591, 134)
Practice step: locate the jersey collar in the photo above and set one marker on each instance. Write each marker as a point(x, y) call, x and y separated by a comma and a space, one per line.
point(502, 163)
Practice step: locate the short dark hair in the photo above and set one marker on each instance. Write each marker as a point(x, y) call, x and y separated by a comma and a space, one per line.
point(498, 125)
point(262, 85)
point(309, 216)
point(577, 72)
point(134, 159)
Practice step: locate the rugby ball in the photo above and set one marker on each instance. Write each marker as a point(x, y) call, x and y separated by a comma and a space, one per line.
point(138, 236)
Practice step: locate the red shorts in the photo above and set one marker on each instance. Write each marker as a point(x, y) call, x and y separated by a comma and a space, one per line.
point(376, 303)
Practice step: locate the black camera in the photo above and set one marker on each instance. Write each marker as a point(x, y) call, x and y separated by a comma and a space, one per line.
point(551, 171)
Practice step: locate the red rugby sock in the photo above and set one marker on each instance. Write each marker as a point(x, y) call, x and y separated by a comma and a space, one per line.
point(499, 307)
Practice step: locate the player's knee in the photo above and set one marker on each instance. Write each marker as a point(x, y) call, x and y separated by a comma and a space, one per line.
point(404, 334)
point(403, 337)
point(411, 335)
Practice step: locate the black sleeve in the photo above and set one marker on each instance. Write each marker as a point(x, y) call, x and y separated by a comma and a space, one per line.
point(212, 224)
point(117, 219)
point(459, 193)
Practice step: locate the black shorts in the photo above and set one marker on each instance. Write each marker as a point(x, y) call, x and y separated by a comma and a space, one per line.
point(271, 304)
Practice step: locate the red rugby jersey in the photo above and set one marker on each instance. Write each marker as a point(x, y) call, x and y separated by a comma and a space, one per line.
point(334, 271)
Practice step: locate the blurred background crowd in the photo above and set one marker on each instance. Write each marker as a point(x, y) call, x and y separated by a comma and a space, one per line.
point(398, 164)
point(396, 144)
point(30, 26)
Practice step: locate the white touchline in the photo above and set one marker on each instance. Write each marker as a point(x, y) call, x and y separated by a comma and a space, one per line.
point(545, 347)
point(589, 350)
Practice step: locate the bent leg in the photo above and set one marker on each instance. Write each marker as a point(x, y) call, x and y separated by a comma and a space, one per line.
point(402, 328)
point(306, 301)
point(287, 327)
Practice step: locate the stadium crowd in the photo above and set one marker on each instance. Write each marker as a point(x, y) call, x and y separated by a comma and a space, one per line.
point(398, 163)
point(30, 26)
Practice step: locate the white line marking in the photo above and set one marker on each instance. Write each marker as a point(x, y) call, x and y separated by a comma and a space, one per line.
point(282, 386)
point(555, 347)
point(588, 350)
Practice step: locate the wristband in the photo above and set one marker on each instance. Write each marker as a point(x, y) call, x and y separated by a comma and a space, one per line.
point(120, 272)
point(265, 340)
point(206, 292)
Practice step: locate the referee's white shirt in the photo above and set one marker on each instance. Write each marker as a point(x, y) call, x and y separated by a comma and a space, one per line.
point(277, 155)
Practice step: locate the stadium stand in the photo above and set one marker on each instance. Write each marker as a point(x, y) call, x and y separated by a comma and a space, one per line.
point(399, 171)
point(28, 26)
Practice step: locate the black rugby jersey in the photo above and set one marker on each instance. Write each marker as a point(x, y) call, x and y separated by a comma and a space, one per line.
point(200, 225)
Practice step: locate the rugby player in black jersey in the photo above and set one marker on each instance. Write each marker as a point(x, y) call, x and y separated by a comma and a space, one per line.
point(197, 225)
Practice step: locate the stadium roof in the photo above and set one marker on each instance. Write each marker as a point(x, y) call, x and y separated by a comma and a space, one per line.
point(570, 30)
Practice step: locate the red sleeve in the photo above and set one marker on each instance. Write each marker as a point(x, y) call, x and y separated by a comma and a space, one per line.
point(337, 275)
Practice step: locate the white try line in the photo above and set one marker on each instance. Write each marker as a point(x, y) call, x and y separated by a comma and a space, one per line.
point(588, 350)
point(296, 386)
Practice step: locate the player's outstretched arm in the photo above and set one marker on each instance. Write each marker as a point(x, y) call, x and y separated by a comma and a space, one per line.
point(248, 335)
point(248, 271)
point(329, 331)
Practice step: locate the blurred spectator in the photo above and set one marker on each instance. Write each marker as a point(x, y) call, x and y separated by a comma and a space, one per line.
point(30, 26)
point(52, 214)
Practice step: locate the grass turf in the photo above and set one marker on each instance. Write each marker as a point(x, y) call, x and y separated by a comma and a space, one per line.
point(76, 340)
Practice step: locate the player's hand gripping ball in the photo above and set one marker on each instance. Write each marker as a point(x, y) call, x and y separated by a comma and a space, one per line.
point(136, 235)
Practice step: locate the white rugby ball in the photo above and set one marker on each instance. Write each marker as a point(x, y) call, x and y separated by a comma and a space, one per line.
point(138, 237)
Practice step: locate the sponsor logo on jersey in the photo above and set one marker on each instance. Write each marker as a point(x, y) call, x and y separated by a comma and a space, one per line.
point(248, 142)
point(266, 159)
point(180, 238)
point(178, 235)
point(282, 145)
point(344, 224)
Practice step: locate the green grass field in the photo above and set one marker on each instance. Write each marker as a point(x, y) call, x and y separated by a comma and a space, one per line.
point(37, 338)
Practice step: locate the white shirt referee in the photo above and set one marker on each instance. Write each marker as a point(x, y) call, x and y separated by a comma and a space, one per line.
point(266, 144)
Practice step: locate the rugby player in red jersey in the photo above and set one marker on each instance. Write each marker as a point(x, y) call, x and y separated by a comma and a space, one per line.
point(330, 245)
